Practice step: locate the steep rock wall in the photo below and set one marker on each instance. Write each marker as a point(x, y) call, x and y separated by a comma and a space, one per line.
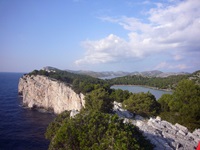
point(48, 93)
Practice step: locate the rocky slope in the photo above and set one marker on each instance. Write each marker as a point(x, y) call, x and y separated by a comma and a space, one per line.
point(44, 92)
point(161, 133)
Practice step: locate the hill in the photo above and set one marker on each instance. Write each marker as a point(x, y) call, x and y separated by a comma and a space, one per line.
point(114, 74)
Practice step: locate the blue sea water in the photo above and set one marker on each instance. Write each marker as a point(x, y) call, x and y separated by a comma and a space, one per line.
point(20, 128)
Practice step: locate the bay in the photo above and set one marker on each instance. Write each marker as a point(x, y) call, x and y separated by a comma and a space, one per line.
point(138, 89)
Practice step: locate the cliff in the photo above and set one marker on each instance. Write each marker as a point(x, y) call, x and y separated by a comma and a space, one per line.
point(48, 93)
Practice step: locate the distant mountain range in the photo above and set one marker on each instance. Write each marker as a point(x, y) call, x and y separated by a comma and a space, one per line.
point(112, 74)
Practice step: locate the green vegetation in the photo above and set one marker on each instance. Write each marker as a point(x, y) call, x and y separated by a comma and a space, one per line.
point(95, 127)
point(95, 131)
point(99, 100)
point(144, 104)
point(195, 77)
point(120, 95)
point(183, 105)
point(161, 83)
point(79, 83)
point(56, 124)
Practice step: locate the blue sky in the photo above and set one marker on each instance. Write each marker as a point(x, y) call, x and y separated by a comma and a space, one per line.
point(101, 35)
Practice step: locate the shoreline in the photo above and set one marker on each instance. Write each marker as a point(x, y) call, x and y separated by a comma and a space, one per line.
point(145, 86)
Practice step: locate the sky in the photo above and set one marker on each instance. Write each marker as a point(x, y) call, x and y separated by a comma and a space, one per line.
point(100, 35)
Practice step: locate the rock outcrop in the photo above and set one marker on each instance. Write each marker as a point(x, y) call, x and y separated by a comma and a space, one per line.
point(161, 133)
point(48, 93)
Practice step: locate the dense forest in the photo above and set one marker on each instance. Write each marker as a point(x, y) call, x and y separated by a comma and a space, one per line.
point(96, 126)
point(157, 82)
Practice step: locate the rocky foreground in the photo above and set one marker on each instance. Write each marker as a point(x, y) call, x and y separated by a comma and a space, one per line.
point(161, 133)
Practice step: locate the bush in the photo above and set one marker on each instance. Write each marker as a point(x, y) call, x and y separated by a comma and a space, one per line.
point(119, 95)
point(183, 105)
point(97, 131)
point(99, 100)
point(144, 104)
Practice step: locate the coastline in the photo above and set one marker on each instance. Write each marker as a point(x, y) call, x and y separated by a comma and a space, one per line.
point(146, 86)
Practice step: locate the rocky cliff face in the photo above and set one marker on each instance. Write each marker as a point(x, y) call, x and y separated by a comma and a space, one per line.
point(164, 135)
point(41, 91)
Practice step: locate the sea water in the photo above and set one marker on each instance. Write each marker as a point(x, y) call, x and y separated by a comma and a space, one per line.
point(20, 128)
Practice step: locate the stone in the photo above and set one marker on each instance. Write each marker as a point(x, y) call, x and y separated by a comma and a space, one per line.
point(139, 123)
point(197, 132)
point(117, 108)
point(44, 92)
point(165, 135)
point(180, 127)
point(73, 113)
point(158, 118)
point(166, 124)
point(117, 105)
point(181, 132)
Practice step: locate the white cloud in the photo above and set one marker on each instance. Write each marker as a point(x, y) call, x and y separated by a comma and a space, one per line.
point(105, 50)
point(172, 29)
point(178, 57)
point(165, 65)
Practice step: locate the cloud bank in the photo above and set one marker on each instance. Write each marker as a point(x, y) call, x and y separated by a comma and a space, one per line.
point(173, 30)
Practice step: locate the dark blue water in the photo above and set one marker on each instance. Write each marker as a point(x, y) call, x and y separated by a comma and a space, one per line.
point(20, 128)
point(137, 89)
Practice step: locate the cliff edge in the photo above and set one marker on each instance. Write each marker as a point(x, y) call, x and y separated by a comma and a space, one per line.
point(48, 93)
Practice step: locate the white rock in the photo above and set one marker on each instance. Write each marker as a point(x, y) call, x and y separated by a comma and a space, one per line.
point(197, 132)
point(42, 91)
point(181, 132)
point(163, 134)
point(180, 127)
point(139, 123)
point(158, 118)
point(120, 111)
point(73, 113)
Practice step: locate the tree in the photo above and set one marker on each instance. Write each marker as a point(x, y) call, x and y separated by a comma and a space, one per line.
point(54, 126)
point(99, 100)
point(164, 102)
point(96, 130)
point(119, 95)
point(75, 85)
point(183, 105)
point(144, 104)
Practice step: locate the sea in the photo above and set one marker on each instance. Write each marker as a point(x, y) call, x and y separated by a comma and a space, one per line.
point(21, 128)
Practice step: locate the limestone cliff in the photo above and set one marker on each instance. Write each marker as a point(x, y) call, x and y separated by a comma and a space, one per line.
point(48, 93)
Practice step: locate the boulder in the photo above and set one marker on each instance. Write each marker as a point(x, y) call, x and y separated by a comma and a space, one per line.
point(182, 128)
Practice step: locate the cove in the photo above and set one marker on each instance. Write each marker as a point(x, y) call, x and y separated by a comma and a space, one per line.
point(138, 89)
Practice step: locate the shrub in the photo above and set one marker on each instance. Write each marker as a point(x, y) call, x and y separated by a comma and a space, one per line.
point(97, 131)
